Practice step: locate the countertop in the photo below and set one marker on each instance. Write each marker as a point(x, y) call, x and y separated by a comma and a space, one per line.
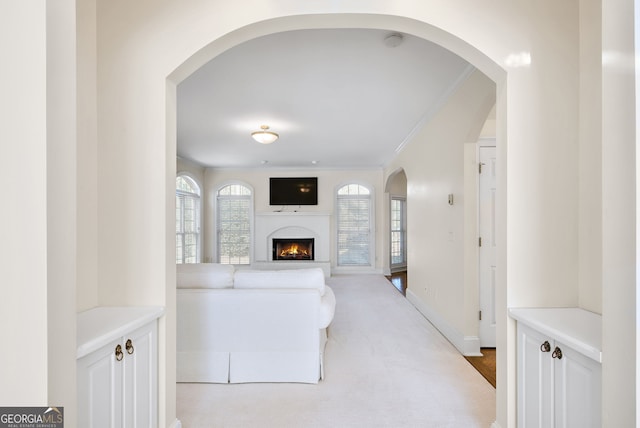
point(98, 326)
point(575, 327)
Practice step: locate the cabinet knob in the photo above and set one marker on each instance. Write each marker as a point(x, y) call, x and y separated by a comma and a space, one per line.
point(129, 346)
point(546, 346)
point(119, 354)
point(557, 353)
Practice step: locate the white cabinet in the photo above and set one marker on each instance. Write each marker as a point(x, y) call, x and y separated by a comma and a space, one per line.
point(117, 367)
point(558, 368)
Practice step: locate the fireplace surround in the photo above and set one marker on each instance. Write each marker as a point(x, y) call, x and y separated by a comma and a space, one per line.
point(292, 225)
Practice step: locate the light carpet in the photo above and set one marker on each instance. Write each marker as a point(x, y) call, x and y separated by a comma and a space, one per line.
point(385, 366)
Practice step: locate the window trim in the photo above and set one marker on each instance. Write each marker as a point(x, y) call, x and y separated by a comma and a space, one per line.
point(396, 267)
point(215, 243)
point(199, 211)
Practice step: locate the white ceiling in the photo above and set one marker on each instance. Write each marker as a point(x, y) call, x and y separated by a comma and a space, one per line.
point(341, 98)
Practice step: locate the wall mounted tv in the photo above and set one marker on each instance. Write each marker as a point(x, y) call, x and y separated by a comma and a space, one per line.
point(293, 191)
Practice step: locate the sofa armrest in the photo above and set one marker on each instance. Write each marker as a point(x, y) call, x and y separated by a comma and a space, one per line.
point(327, 308)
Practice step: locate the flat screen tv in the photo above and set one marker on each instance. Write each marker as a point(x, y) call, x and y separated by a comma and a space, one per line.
point(293, 191)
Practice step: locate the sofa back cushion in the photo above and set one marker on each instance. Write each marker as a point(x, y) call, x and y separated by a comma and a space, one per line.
point(204, 275)
point(291, 278)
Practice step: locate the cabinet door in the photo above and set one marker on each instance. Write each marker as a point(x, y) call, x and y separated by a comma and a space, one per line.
point(100, 389)
point(577, 390)
point(535, 380)
point(140, 378)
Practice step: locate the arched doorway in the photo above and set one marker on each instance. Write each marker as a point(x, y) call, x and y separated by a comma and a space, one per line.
point(283, 24)
point(396, 199)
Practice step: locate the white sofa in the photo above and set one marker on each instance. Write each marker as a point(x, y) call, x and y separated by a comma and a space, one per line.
point(251, 326)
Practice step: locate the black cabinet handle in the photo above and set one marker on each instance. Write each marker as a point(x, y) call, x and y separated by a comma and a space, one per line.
point(119, 353)
point(545, 347)
point(129, 347)
point(557, 353)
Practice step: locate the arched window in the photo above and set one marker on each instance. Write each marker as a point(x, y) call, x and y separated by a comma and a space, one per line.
point(187, 220)
point(234, 224)
point(354, 225)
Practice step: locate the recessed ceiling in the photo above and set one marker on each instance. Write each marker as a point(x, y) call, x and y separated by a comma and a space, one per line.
point(340, 98)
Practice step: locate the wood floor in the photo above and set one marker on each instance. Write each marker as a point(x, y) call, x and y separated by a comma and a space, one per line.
point(486, 364)
point(399, 280)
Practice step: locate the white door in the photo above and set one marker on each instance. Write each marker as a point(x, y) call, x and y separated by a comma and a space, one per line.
point(487, 227)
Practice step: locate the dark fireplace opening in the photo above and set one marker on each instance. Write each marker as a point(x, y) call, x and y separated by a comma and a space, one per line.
point(293, 249)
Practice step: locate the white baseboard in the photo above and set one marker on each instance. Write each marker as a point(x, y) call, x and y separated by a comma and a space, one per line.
point(398, 268)
point(467, 345)
point(472, 346)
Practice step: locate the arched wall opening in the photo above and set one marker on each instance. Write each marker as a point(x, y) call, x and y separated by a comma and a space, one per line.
point(396, 178)
point(395, 187)
point(409, 26)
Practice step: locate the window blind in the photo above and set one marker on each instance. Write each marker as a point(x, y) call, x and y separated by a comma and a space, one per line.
point(354, 228)
point(187, 220)
point(398, 232)
point(234, 225)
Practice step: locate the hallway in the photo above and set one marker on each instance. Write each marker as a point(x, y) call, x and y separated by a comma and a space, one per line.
point(486, 364)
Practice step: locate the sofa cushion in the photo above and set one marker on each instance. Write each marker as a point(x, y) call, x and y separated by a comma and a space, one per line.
point(204, 275)
point(291, 278)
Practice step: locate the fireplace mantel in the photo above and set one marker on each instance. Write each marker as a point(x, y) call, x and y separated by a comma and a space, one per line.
point(293, 213)
point(292, 224)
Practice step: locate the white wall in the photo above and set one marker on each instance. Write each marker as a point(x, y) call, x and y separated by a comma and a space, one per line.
point(590, 157)
point(23, 108)
point(192, 169)
point(140, 43)
point(436, 162)
point(37, 228)
point(61, 204)
point(619, 214)
point(87, 156)
point(328, 183)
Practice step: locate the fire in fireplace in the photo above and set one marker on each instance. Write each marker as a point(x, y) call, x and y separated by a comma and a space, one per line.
point(293, 249)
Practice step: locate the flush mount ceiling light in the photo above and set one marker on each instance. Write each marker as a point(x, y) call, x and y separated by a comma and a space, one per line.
point(393, 40)
point(265, 136)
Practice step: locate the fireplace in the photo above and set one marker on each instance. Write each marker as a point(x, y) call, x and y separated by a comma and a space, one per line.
point(292, 249)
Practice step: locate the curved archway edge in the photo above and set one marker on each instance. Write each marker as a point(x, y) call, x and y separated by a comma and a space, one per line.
point(306, 22)
point(422, 29)
point(391, 176)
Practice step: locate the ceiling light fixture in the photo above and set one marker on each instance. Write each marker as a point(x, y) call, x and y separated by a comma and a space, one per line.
point(393, 40)
point(265, 136)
